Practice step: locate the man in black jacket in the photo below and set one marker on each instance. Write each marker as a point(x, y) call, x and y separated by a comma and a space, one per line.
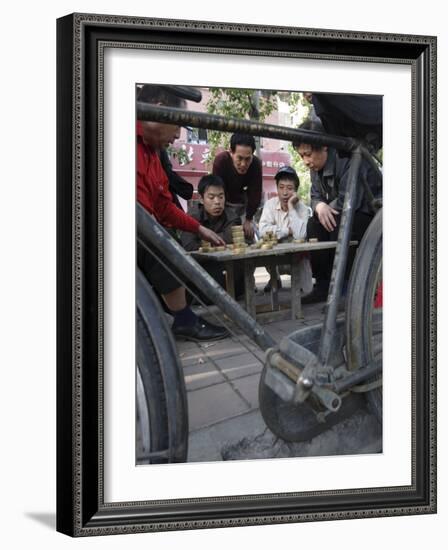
point(176, 183)
point(213, 214)
point(329, 178)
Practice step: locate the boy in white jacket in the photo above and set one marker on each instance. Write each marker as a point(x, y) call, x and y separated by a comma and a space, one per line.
point(287, 217)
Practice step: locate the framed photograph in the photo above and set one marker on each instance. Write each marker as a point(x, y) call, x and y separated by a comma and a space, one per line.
point(267, 414)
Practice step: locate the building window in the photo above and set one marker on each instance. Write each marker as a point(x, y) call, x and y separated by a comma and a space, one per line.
point(197, 135)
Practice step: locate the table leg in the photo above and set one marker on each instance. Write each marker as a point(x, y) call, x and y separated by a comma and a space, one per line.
point(296, 296)
point(272, 269)
point(230, 278)
point(249, 287)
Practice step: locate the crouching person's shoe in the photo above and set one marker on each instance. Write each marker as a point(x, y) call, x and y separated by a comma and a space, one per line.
point(201, 331)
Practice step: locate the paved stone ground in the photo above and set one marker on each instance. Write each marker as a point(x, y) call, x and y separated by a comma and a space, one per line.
point(222, 387)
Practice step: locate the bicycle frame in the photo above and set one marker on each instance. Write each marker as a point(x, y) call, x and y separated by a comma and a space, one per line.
point(152, 234)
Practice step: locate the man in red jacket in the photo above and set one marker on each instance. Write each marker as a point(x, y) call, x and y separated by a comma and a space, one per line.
point(153, 194)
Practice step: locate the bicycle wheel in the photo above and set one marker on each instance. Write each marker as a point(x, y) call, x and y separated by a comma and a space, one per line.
point(161, 403)
point(364, 326)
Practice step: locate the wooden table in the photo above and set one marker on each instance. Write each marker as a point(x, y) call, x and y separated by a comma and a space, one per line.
point(280, 254)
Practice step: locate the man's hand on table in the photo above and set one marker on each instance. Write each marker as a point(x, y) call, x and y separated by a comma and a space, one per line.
point(210, 236)
point(248, 229)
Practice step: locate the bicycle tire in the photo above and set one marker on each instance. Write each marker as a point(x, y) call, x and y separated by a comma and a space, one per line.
point(363, 337)
point(154, 430)
point(160, 389)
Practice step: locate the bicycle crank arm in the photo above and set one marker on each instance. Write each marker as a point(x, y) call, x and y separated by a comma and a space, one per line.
point(294, 384)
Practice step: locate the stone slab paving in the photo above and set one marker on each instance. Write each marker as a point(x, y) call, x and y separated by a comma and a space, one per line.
point(202, 375)
point(248, 388)
point(239, 365)
point(208, 444)
point(215, 403)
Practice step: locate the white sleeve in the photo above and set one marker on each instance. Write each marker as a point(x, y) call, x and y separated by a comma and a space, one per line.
point(267, 220)
point(281, 233)
point(298, 219)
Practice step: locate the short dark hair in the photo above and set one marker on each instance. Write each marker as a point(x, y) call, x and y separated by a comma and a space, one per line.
point(155, 93)
point(287, 173)
point(242, 139)
point(208, 181)
point(314, 126)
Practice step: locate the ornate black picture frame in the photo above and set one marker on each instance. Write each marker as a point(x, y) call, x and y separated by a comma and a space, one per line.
point(81, 508)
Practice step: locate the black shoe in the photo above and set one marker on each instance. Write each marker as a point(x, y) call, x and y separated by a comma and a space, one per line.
point(317, 295)
point(201, 331)
point(268, 287)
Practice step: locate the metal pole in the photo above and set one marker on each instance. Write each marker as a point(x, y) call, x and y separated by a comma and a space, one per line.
point(328, 335)
point(358, 376)
point(180, 117)
point(369, 158)
point(255, 115)
point(152, 234)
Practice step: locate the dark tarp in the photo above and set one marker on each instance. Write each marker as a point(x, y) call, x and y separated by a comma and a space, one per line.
point(357, 116)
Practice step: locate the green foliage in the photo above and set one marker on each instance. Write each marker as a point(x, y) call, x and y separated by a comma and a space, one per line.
point(294, 100)
point(180, 154)
point(303, 173)
point(251, 104)
point(237, 103)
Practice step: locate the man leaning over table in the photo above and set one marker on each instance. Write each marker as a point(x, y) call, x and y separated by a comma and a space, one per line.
point(154, 195)
point(242, 174)
point(287, 217)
